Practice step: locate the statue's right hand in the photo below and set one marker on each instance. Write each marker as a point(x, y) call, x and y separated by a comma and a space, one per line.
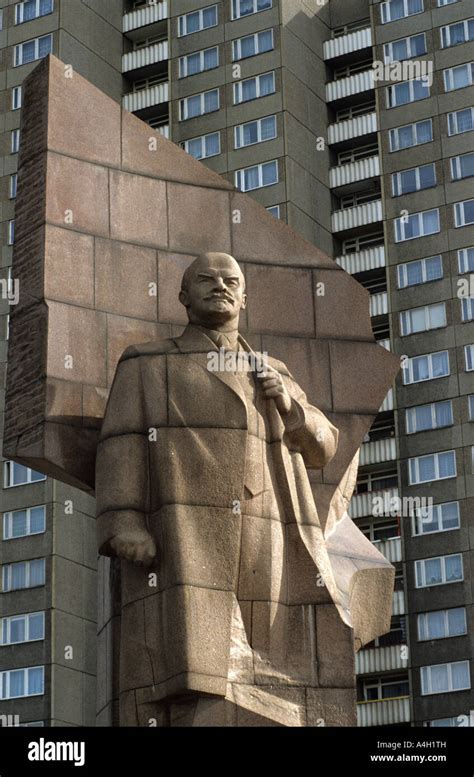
point(138, 547)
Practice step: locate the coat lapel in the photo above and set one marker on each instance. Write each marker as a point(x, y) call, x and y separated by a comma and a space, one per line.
point(196, 344)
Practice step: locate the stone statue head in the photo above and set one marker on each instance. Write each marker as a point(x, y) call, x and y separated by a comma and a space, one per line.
point(213, 291)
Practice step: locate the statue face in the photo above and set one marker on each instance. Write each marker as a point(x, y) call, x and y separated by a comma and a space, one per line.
point(215, 294)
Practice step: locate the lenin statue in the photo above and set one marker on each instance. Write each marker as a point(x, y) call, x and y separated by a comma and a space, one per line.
point(231, 614)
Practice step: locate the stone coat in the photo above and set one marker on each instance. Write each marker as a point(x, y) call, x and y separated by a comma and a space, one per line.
point(171, 460)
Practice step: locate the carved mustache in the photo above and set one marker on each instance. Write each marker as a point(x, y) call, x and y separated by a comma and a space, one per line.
point(220, 296)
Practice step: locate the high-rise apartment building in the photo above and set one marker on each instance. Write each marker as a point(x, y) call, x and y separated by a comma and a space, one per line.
point(372, 164)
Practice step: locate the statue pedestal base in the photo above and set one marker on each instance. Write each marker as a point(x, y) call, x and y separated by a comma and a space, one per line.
point(246, 705)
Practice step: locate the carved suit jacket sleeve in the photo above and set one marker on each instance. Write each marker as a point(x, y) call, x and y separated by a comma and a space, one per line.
point(122, 466)
point(308, 430)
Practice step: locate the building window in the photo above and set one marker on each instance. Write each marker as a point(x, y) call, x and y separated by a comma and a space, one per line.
point(354, 154)
point(247, 7)
point(203, 147)
point(466, 260)
point(467, 308)
point(405, 48)
point(355, 245)
point(411, 135)
point(457, 720)
point(32, 9)
point(444, 678)
point(199, 104)
point(441, 624)
point(274, 210)
point(460, 32)
point(427, 367)
point(417, 225)
point(433, 466)
point(256, 177)
point(207, 59)
point(471, 407)
point(433, 416)
point(15, 683)
point(255, 132)
point(469, 357)
point(23, 574)
point(420, 271)
point(407, 92)
point(462, 166)
point(15, 141)
point(16, 98)
point(414, 180)
point(197, 20)
point(361, 109)
point(251, 45)
point(439, 570)
point(21, 523)
point(436, 518)
point(11, 232)
point(422, 319)
point(459, 77)
point(252, 88)
point(461, 121)
point(22, 628)
point(375, 690)
point(19, 475)
point(464, 213)
point(31, 50)
point(391, 10)
point(13, 185)
point(447, 2)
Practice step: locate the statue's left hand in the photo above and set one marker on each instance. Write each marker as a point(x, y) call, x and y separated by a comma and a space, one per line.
point(274, 388)
point(138, 547)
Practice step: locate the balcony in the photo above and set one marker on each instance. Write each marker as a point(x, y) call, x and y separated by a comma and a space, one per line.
point(398, 603)
point(146, 98)
point(342, 175)
point(142, 17)
point(379, 304)
point(380, 659)
point(148, 55)
point(362, 261)
point(163, 130)
point(378, 451)
point(359, 216)
point(347, 87)
point(363, 504)
point(384, 712)
point(352, 128)
point(391, 549)
point(387, 404)
point(347, 44)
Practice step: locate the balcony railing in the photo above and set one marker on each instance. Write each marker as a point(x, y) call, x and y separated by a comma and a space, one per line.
point(391, 549)
point(384, 712)
point(141, 17)
point(354, 171)
point(359, 216)
point(362, 261)
point(379, 304)
point(380, 659)
point(364, 504)
point(146, 98)
point(148, 55)
point(346, 87)
point(378, 451)
point(163, 130)
point(346, 44)
point(353, 128)
point(398, 603)
point(387, 404)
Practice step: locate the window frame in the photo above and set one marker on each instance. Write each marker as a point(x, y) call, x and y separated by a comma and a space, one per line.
point(423, 620)
point(259, 166)
point(449, 665)
point(182, 62)
point(235, 9)
point(444, 581)
point(182, 23)
point(238, 88)
point(18, 58)
point(8, 518)
point(419, 216)
point(238, 130)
